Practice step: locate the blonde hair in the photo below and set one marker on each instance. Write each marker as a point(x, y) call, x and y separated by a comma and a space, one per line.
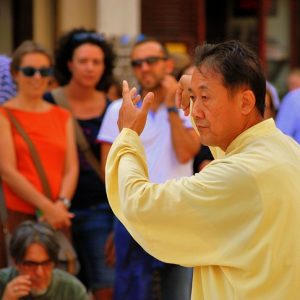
point(25, 48)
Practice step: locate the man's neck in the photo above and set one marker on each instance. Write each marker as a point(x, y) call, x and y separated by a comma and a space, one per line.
point(158, 98)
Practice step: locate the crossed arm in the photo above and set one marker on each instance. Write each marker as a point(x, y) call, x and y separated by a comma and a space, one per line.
point(54, 213)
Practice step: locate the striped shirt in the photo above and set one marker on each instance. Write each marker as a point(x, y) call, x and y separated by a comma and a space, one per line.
point(7, 86)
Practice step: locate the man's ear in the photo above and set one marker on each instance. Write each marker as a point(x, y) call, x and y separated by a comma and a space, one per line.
point(247, 101)
point(170, 65)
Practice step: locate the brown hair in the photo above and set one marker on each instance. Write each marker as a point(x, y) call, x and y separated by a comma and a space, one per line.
point(28, 233)
point(152, 40)
point(25, 48)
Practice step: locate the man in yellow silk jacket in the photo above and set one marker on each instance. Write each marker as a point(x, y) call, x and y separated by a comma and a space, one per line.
point(238, 221)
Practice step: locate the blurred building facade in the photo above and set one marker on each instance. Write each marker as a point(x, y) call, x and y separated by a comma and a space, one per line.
point(272, 27)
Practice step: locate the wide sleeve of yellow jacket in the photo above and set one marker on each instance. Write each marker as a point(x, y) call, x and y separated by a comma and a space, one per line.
point(217, 221)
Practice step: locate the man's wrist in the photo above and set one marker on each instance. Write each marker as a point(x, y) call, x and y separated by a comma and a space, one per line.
point(172, 109)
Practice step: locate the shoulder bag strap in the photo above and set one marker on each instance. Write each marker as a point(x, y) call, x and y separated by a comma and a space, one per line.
point(84, 146)
point(34, 154)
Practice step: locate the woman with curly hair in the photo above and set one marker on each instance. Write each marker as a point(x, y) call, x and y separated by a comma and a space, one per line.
point(83, 66)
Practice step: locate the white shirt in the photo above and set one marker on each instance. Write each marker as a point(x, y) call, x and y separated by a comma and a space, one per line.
point(156, 138)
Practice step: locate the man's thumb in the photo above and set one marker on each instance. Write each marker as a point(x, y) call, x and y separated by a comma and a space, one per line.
point(147, 102)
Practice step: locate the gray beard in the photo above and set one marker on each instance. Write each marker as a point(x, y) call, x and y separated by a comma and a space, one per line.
point(34, 293)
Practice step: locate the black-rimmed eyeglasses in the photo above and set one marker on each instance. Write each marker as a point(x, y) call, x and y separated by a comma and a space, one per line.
point(151, 60)
point(29, 264)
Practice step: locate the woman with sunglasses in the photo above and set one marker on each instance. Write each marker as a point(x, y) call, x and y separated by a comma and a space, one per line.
point(50, 129)
point(83, 66)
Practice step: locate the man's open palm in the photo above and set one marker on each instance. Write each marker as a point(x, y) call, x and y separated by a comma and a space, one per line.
point(130, 116)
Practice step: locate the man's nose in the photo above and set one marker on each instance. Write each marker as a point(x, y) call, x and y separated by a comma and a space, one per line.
point(144, 65)
point(39, 270)
point(197, 110)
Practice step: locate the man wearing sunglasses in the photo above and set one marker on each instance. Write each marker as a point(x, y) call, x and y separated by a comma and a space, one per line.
point(35, 251)
point(170, 144)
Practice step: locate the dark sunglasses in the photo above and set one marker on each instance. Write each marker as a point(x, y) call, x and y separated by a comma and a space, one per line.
point(136, 63)
point(34, 264)
point(30, 71)
point(82, 36)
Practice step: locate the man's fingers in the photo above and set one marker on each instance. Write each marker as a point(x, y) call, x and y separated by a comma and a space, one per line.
point(136, 99)
point(182, 97)
point(185, 80)
point(178, 96)
point(147, 102)
point(133, 93)
point(126, 93)
point(125, 86)
point(130, 95)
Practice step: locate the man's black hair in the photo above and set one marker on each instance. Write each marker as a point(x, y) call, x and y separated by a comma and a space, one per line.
point(238, 65)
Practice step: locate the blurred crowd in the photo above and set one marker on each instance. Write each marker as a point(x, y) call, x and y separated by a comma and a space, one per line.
point(53, 175)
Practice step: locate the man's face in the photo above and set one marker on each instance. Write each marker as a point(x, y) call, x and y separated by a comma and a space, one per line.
point(38, 266)
point(216, 111)
point(149, 65)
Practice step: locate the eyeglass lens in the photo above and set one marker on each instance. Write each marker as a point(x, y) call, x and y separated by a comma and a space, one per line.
point(35, 264)
point(30, 71)
point(149, 60)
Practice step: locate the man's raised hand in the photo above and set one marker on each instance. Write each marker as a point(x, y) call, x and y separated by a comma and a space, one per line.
point(183, 93)
point(130, 116)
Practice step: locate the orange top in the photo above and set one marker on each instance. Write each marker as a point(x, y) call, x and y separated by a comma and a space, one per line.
point(48, 132)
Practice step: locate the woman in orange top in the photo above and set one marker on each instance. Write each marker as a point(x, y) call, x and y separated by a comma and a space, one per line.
point(51, 131)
